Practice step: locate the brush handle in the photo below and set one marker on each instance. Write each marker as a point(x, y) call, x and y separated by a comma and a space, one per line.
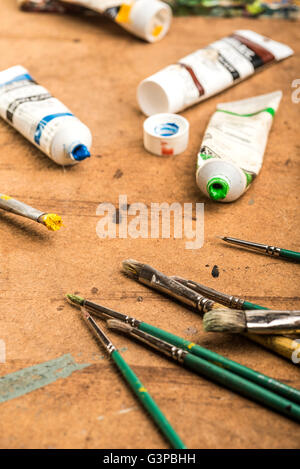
point(290, 254)
point(248, 305)
point(243, 386)
point(225, 363)
point(147, 401)
point(281, 345)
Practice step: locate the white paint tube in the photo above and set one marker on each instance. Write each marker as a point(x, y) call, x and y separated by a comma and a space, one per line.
point(42, 119)
point(147, 19)
point(232, 150)
point(208, 71)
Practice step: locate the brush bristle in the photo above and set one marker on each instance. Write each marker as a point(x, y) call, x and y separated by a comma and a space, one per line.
point(132, 267)
point(119, 325)
point(225, 320)
point(75, 300)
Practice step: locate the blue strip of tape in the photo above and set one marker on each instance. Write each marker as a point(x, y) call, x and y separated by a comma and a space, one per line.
point(23, 77)
point(42, 124)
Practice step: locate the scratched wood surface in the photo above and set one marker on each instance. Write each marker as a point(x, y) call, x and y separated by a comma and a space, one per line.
point(94, 67)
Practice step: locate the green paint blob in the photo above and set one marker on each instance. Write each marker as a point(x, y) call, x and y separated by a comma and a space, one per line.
point(217, 188)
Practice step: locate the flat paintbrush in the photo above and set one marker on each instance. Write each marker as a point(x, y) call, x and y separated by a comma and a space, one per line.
point(264, 248)
point(230, 301)
point(151, 277)
point(52, 221)
point(255, 322)
point(213, 357)
point(135, 384)
point(210, 370)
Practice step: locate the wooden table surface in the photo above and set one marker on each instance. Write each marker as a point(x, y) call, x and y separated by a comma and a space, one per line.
point(94, 67)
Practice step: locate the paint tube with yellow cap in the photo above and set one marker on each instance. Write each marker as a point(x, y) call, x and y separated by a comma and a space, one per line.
point(232, 150)
point(147, 19)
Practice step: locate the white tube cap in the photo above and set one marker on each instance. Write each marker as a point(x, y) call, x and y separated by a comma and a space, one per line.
point(166, 134)
point(162, 92)
point(150, 19)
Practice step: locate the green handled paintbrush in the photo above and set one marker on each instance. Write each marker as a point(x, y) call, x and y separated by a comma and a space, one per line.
point(210, 370)
point(201, 352)
point(264, 248)
point(230, 301)
point(135, 384)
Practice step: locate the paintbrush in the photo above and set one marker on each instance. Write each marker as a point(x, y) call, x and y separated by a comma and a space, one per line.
point(227, 300)
point(208, 355)
point(135, 384)
point(151, 277)
point(255, 322)
point(203, 367)
point(52, 221)
point(264, 248)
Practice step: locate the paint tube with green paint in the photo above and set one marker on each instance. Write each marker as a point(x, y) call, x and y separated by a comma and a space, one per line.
point(232, 150)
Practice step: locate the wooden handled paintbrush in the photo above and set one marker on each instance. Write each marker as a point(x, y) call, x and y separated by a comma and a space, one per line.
point(135, 384)
point(210, 370)
point(201, 352)
point(52, 221)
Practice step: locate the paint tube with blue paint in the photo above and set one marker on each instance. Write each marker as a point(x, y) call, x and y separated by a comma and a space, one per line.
point(232, 150)
point(41, 118)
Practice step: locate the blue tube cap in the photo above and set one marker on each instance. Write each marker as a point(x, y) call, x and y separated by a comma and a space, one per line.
point(80, 152)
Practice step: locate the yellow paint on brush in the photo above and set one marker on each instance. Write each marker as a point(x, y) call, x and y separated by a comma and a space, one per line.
point(124, 13)
point(142, 389)
point(157, 30)
point(191, 344)
point(52, 221)
point(5, 197)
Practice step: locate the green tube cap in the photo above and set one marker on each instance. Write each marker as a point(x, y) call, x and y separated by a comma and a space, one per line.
point(217, 188)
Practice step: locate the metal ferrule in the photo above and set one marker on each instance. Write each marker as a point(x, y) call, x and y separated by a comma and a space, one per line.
point(226, 300)
point(168, 285)
point(168, 349)
point(19, 208)
point(273, 251)
point(101, 312)
point(273, 322)
point(98, 332)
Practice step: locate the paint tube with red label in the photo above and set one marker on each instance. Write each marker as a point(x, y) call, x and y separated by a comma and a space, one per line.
point(208, 71)
point(147, 19)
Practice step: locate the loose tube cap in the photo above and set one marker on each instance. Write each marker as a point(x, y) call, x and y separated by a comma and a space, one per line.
point(150, 19)
point(166, 134)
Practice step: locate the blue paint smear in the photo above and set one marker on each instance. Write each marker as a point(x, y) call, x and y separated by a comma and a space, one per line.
point(42, 124)
point(166, 130)
point(34, 377)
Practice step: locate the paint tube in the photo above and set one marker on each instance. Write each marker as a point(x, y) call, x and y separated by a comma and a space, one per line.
point(42, 119)
point(147, 19)
point(208, 71)
point(233, 146)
